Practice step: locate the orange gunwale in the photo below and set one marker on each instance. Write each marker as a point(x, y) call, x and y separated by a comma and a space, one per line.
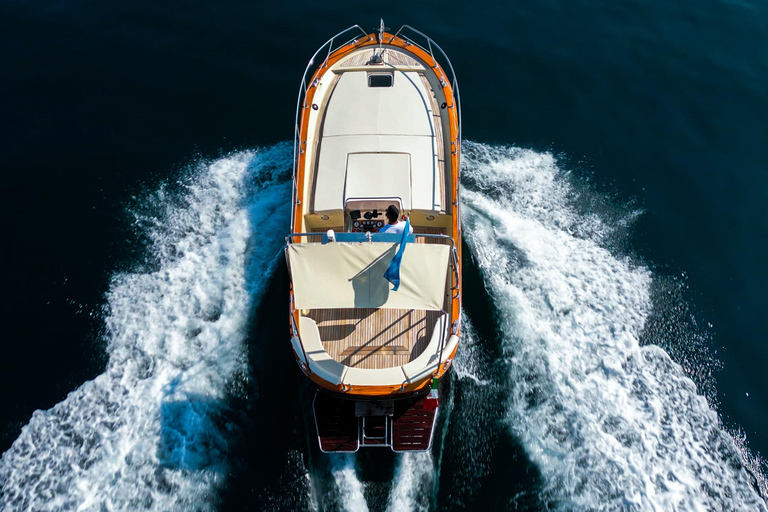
point(388, 40)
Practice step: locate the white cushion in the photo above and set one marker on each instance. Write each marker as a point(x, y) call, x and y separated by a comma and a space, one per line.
point(374, 377)
point(426, 363)
point(320, 362)
point(452, 342)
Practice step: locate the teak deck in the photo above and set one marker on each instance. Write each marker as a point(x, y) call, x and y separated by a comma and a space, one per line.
point(374, 338)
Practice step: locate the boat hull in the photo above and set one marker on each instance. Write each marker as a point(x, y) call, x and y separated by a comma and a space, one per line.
point(378, 125)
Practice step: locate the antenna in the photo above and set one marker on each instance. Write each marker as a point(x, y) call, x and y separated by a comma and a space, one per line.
point(382, 28)
point(377, 57)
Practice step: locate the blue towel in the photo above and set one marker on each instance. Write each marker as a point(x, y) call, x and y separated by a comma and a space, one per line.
point(393, 272)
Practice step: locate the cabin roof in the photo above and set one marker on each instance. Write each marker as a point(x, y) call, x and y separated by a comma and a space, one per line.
point(379, 121)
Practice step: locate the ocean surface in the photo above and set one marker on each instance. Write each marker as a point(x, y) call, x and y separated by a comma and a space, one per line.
point(615, 183)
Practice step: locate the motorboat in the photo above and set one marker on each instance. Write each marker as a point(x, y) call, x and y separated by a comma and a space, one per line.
point(375, 316)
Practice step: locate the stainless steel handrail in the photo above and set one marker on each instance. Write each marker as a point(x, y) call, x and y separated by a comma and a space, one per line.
point(289, 238)
point(455, 260)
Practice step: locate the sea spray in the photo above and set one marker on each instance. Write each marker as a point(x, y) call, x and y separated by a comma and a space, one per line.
point(611, 425)
point(153, 431)
point(412, 486)
point(349, 490)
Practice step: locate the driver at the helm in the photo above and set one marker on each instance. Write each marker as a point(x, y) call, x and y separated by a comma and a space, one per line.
point(396, 225)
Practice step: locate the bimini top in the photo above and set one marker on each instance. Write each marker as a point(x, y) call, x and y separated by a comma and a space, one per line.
point(340, 275)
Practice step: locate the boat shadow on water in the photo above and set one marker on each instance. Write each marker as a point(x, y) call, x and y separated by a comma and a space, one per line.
point(267, 467)
point(482, 465)
point(194, 433)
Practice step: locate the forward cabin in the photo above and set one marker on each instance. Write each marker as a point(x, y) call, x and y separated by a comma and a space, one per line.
point(375, 309)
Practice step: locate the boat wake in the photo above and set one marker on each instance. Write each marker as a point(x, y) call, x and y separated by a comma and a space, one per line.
point(349, 488)
point(344, 489)
point(610, 424)
point(413, 484)
point(564, 379)
point(153, 431)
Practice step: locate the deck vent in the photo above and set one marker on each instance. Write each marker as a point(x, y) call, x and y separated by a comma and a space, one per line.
point(380, 80)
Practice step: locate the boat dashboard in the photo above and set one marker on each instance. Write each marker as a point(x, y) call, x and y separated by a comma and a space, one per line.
point(369, 221)
point(367, 215)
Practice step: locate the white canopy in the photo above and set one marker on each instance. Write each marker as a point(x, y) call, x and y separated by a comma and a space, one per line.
point(350, 275)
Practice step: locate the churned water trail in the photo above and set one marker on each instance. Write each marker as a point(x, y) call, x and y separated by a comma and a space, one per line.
point(153, 432)
point(412, 486)
point(607, 424)
point(610, 424)
point(349, 489)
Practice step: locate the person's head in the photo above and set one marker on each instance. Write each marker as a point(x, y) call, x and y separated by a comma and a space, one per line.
point(393, 213)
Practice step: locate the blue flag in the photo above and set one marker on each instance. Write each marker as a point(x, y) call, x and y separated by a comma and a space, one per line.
point(393, 272)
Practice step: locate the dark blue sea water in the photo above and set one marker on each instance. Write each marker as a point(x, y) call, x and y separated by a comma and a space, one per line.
point(615, 180)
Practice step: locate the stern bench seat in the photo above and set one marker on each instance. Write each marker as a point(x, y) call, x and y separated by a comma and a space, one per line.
point(325, 367)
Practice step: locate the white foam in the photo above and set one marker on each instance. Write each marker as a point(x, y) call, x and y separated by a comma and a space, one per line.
point(349, 488)
point(152, 431)
point(468, 365)
point(413, 483)
point(611, 425)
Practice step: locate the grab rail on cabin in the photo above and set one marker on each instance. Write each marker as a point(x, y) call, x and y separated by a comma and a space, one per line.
point(289, 239)
point(404, 33)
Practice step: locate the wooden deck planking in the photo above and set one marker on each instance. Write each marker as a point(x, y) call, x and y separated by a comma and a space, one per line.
point(359, 59)
point(430, 231)
point(391, 57)
point(374, 338)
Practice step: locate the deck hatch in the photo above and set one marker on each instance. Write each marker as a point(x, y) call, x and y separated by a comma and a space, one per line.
point(380, 80)
point(374, 175)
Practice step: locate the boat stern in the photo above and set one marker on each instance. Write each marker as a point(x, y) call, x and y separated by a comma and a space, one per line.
point(344, 425)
